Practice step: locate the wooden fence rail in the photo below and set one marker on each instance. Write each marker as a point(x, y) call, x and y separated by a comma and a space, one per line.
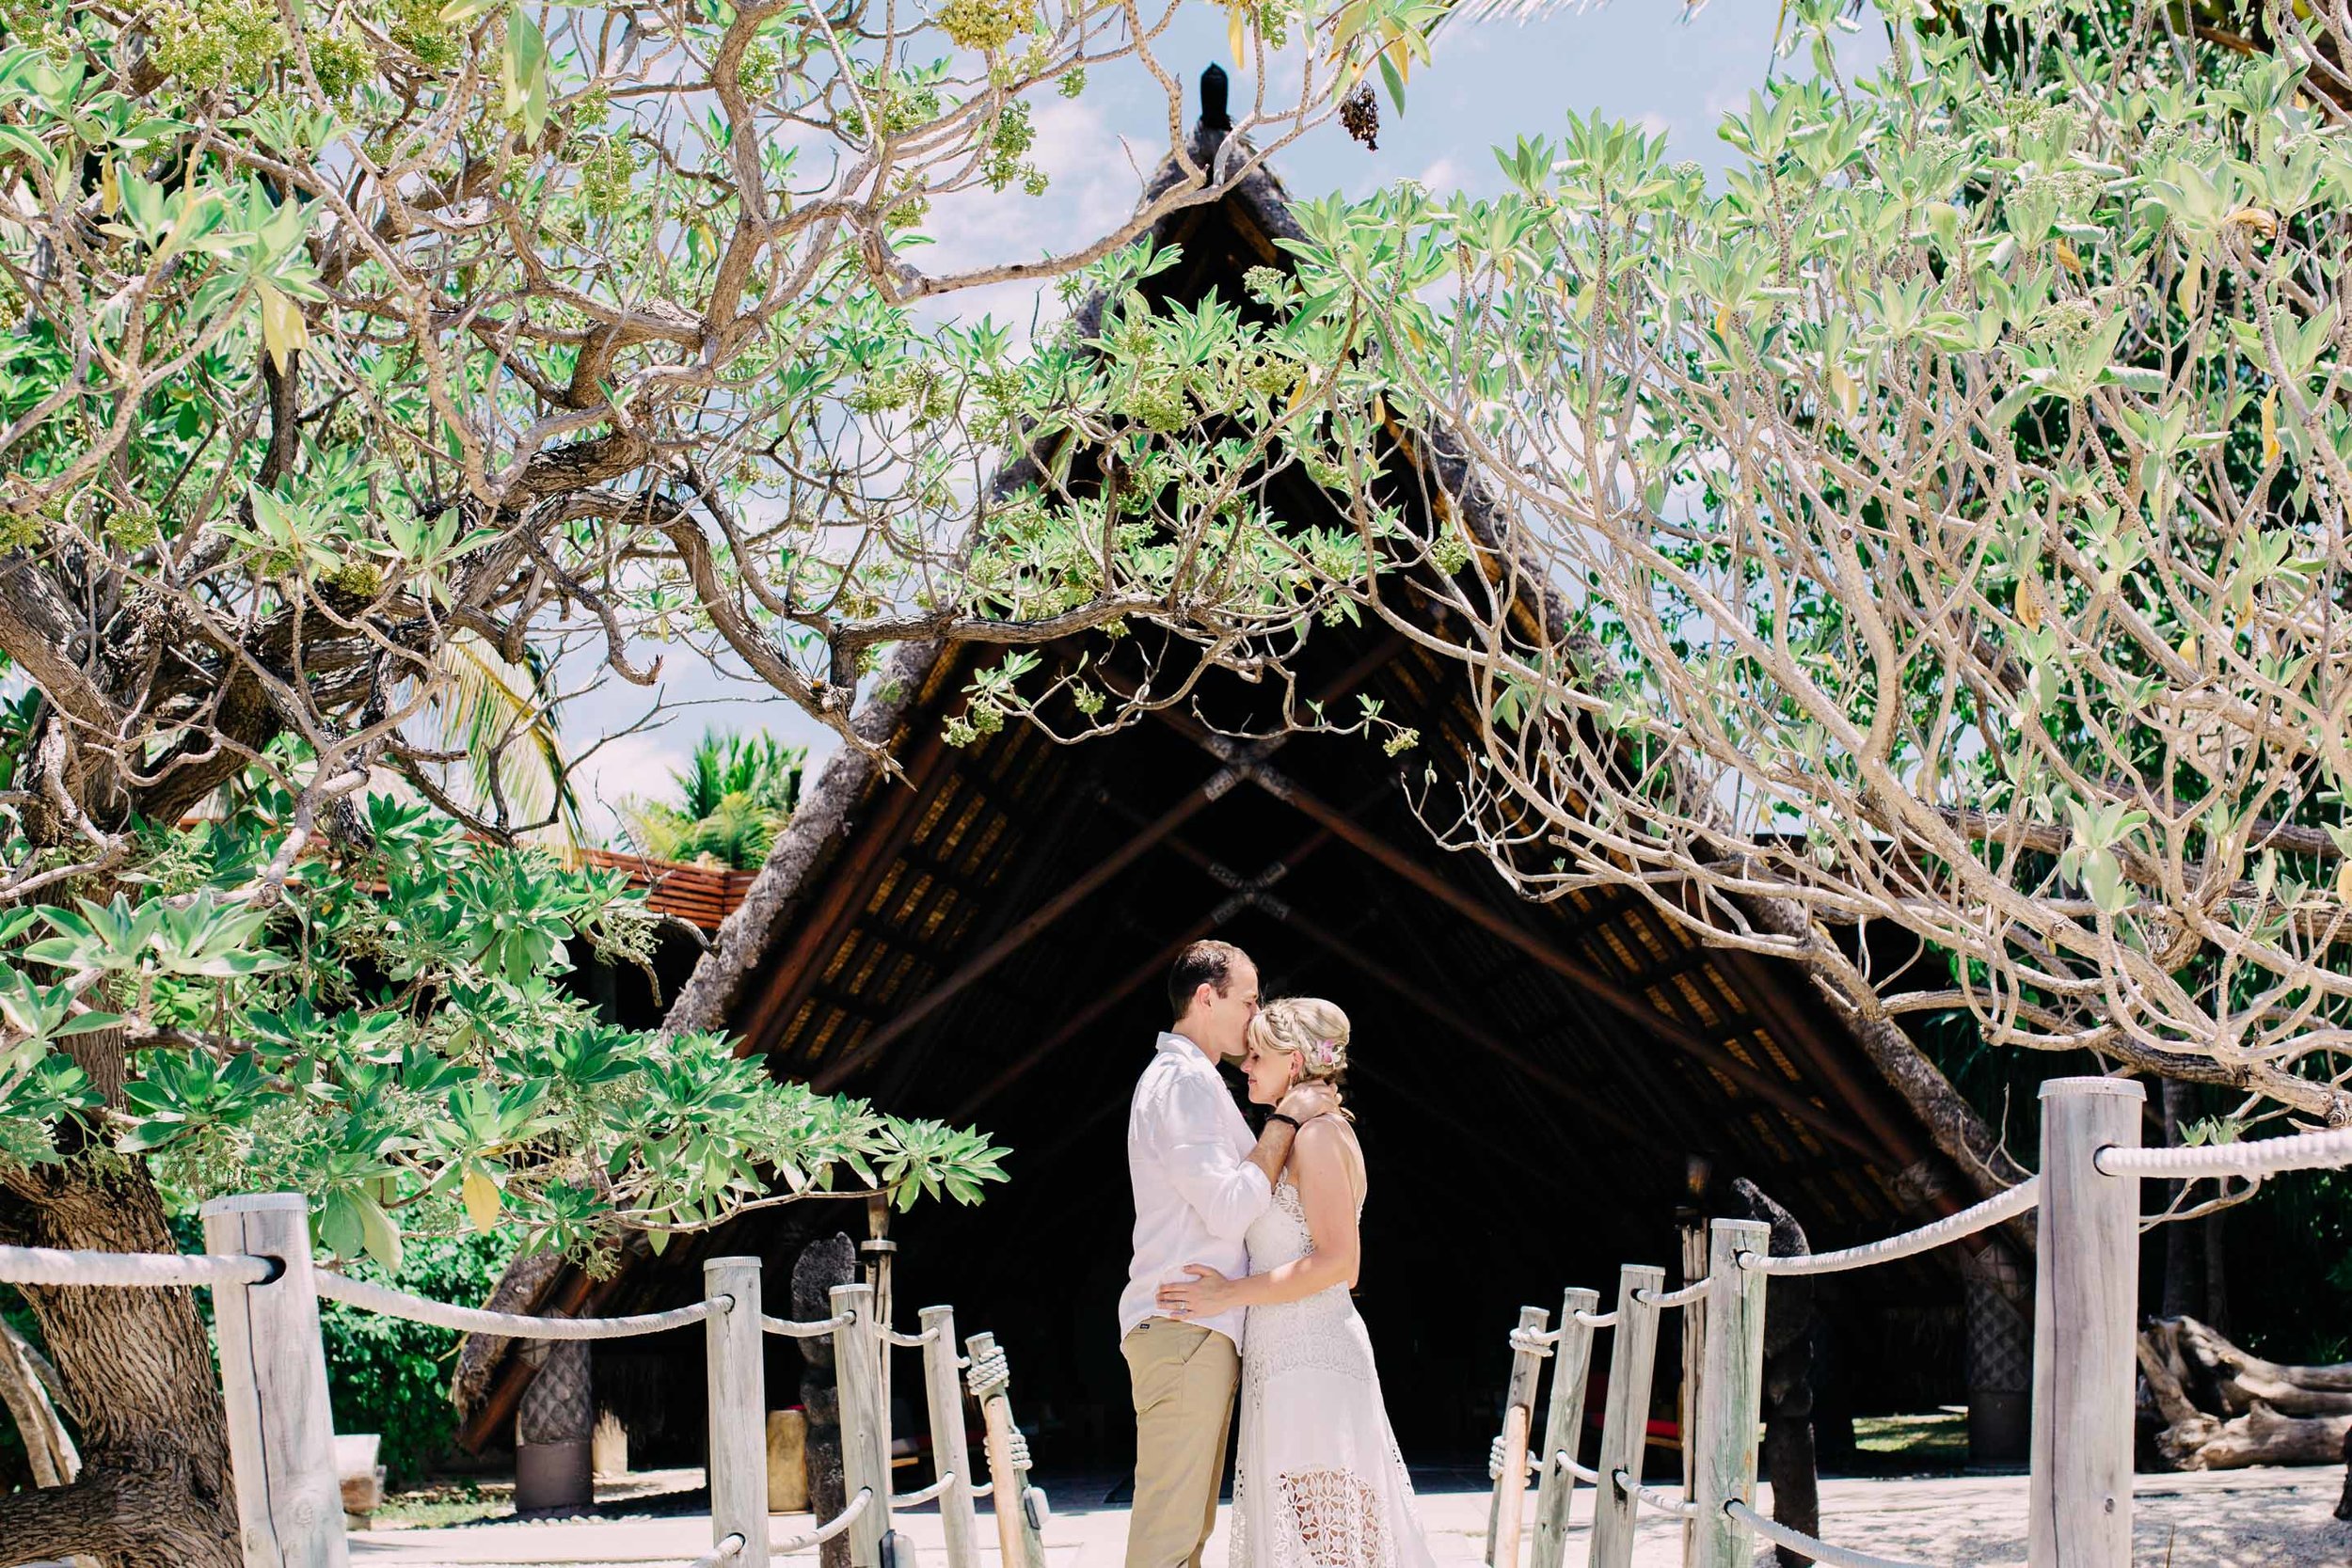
point(2086, 1297)
point(272, 1375)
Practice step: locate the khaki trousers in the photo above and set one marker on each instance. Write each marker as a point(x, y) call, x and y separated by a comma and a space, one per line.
point(1184, 1377)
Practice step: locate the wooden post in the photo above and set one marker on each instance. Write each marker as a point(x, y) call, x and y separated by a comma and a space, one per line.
point(1730, 1394)
point(1508, 1505)
point(2086, 1306)
point(857, 1352)
point(943, 1387)
point(272, 1378)
point(1019, 1520)
point(736, 1358)
point(1693, 1337)
point(1564, 1426)
point(1624, 1421)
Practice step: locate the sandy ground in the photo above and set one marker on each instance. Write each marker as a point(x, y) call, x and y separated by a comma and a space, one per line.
point(2241, 1519)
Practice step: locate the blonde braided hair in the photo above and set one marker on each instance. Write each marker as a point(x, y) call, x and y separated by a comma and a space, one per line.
point(1309, 1028)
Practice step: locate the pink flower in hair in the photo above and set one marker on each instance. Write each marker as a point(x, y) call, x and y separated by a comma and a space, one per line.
point(1322, 1055)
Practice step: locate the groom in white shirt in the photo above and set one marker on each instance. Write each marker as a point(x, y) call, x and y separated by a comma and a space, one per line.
point(1200, 1179)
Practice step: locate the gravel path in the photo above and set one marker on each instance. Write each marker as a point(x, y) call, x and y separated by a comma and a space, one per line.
point(2238, 1519)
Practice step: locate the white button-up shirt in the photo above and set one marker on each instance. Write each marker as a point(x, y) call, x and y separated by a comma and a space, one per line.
point(1196, 1191)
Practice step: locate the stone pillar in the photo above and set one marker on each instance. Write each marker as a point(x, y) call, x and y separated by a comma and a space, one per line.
point(554, 1431)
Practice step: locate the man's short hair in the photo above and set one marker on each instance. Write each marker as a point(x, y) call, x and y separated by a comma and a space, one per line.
point(1208, 962)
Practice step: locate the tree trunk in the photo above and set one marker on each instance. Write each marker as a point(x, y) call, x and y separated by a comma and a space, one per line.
point(136, 1370)
point(2181, 1236)
point(2216, 1274)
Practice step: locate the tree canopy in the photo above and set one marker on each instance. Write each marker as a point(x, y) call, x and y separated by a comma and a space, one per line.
point(1937, 520)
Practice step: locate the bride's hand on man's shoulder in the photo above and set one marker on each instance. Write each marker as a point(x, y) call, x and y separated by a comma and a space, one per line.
point(1204, 1295)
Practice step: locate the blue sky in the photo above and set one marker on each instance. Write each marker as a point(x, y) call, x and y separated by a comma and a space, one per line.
point(1637, 60)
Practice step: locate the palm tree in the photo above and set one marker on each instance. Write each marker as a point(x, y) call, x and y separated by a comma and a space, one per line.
point(735, 795)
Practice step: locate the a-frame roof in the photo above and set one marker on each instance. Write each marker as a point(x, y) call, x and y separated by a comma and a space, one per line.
point(982, 939)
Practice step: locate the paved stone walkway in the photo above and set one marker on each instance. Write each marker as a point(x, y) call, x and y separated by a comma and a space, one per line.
point(2239, 1519)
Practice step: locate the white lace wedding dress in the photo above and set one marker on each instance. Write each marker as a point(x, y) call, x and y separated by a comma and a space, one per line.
point(1318, 1482)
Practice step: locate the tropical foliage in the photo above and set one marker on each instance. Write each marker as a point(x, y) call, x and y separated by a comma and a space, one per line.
point(393, 1038)
point(735, 795)
point(1938, 520)
point(375, 377)
point(1941, 520)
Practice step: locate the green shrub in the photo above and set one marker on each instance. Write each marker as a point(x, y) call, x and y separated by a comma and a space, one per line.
point(391, 1376)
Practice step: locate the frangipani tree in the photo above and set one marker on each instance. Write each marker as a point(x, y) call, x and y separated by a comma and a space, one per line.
point(1940, 520)
point(360, 359)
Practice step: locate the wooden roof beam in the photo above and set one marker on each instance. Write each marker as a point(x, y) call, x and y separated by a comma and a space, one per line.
point(1134, 979)
point(1484, 1039)
point(1203, 795)
point(1195, 801)
point(1595, 983)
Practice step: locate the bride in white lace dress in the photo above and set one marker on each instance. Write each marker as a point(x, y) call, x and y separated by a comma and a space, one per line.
point(1318, 1482)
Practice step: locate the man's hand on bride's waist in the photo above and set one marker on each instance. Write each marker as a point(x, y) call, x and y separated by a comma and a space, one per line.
point(1206, 1294)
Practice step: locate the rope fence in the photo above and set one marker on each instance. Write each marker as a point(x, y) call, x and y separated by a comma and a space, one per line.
point(40, 1265)
point(273, 1370)
point(2086, 1203)
point(1819, 1551)
point(388, 1303)
point(2261, 1157)
point(853, 1514)
point(1927, 1238)
point(1689, 1295)
point(726, 1551)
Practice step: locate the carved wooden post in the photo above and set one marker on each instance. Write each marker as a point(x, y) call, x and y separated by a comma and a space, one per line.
point(1624, 1421)
point(1020, 1510)
point(1564, 1423)
point(942, 1386)
point(737, 1358)
point(2086, 1308)
point(857, 1352)
point(273, 1377)
point(1730, 1394)
point(1504, 1512)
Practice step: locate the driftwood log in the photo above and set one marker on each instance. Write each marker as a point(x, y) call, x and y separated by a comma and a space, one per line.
point(2218, 1408)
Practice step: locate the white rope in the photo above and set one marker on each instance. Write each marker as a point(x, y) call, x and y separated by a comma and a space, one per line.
point(988, 1375)
point(1535, 1341)
point(726, 1551)
point(513, 1326)
point(1696, 1291)
point(1584, 1473)
point(826, 1532)
point(40, 1265)
point(1981, 1216)
point(2301, 1151)
point(1596, 1320)
point(1528, 1462)
point(1664, 1503)
point(1819, 1551)
point(916, 1499)
point(791, 1330)
point(911, 1342)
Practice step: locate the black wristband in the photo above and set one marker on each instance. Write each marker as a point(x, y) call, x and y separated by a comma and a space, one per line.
point(1277, 1116)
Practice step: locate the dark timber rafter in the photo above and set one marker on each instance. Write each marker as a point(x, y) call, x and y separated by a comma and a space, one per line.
point(1253, 894)
point(1203, 795)
point(1593, 983)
